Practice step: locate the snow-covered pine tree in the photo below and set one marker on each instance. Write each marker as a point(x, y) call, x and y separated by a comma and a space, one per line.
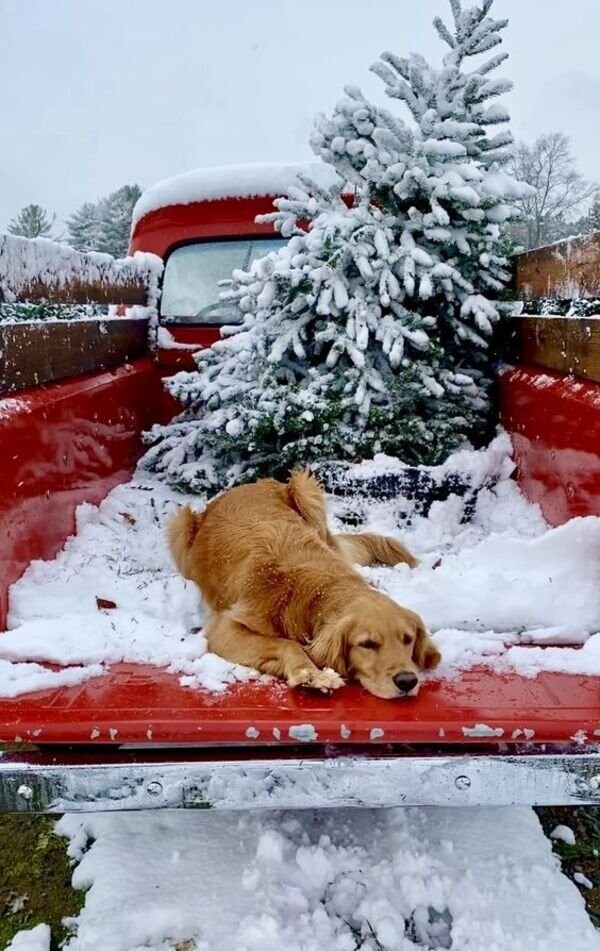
point(84, 227)
point(104, 225)
point(368, 331)
point(115, 219)
point(33, 221)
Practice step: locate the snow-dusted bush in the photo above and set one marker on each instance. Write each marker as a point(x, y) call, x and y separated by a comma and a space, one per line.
point(369, 330)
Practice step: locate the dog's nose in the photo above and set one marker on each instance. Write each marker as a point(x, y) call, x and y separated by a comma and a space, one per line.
point(406, 681)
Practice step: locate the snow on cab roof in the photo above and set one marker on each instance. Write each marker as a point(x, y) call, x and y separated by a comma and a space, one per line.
point(230, 181)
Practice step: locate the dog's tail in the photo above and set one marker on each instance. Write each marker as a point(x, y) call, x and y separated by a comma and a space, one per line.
point(367, 548)
point(306, 497)
point(182, 528)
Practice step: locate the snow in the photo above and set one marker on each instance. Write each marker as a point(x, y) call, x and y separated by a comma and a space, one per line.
point(230, 181)
point(563, 834)
point(166, 340)
point(17, 678)
point(397, 879)
point(25, 262)
point(502, 590)
point(304, 732)
point(11, 406)
point(482, 729)
point(499, 184)
point(34, 939)
point(118, 555)
point(582, 880)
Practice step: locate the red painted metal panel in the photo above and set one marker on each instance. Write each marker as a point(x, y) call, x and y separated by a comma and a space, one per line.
point(160, 230)
point(554, 421)
point(172, 360)
point(136, 704)
point(62, 445)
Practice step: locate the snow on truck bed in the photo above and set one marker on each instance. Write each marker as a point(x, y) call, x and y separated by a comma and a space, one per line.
point(342, 880)
point(506, 581)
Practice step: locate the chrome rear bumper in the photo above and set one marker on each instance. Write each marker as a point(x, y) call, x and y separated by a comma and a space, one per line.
point(51, 782)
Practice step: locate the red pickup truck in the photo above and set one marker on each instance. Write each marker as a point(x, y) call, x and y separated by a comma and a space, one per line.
point(130, 739)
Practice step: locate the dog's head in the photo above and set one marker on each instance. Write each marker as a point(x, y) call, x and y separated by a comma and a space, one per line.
point(383, 646)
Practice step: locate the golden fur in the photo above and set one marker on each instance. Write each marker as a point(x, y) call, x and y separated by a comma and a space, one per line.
point(284, 596)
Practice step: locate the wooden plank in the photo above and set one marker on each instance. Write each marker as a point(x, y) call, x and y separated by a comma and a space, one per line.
point(85, 292)
point(565, 270)
point(38, 269)
point(42, 352)
point(568, 344)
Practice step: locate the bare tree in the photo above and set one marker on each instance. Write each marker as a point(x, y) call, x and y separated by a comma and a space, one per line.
point(559, 191)
point(32, 221)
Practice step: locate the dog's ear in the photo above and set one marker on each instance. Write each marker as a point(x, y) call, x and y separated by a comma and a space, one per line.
point(329, 647)
point(425, 654)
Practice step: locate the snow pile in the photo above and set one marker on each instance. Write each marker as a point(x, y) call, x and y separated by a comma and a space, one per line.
point(166, 341)
point(35, 939)
point(230, 181)
point(506, 583)
point(563, 834)
point(26, 263)
point(397, 880)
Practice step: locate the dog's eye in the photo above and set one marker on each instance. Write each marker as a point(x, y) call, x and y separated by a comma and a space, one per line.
point(407, 639)
point(370, 645)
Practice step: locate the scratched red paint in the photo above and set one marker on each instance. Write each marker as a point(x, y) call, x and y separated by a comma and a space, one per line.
point(147, 705)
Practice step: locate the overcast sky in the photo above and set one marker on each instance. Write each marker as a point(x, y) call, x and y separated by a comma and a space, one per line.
point(99, 93)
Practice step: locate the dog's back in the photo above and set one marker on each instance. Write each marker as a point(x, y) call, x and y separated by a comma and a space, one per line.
point(245, 529)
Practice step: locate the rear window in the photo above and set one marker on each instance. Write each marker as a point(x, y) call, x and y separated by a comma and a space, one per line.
point(191, 289)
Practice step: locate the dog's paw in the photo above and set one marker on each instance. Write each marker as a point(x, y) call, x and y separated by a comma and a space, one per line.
point(323, 680)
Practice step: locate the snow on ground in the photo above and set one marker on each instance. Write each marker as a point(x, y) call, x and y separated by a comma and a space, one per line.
point(34, 939)
point(390, 880)
point(505, 580)
point(564, 834)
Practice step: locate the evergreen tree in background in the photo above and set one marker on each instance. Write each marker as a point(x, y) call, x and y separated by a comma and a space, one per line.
point(84, 227)
point(368, 331)
point(33, 221)
point(115, 215)
point(593, 217)
point(104, 225)
point(590, 222)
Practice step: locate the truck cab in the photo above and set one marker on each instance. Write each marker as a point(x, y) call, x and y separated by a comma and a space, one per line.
point(203, 225)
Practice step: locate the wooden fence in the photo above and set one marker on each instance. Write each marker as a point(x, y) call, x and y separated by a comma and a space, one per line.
point(38, 352)
point(567, 270)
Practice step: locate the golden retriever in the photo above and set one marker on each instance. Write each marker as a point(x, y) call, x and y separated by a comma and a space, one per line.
point(285, 598)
